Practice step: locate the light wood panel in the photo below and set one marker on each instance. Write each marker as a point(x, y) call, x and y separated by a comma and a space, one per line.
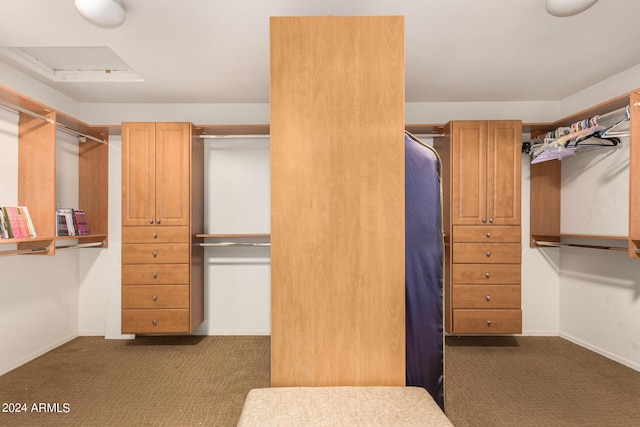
point(475, 253)
point(93, 194)
point(337, 201)
point(149, 321)
point(469, 168)
point(634, 176)
point(504, 164)
point(37, 172)
point(152, 296)
point(155, 234)
point(494, 274)
point(477, 233)
point(135, 253)
point(163, 274)
point(173, 175)
point(486, 296)
point(138, 173)
point(479, 321)
point(545, 199)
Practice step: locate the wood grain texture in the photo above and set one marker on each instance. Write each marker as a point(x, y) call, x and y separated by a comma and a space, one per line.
point(155, 234)
point(152, 296)
point(151, 321)
point(478, 321)
point(148, 274)
point(138, 173)
point(634, 176)
point(504, 164)
point(337, 201)
point(469, 172)
point(173, 173)
point(486, 274)
point(37, 172)
point(161, 253)
point(545, 199)
point(93, 185)
point(486, 296)
point(489, 233)
point(475, 253)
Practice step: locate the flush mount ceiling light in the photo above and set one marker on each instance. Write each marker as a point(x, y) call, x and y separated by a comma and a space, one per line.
point(568, 7)
point(103, 13)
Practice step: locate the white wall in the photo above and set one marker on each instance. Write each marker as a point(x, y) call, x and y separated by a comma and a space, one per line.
point(39, 303)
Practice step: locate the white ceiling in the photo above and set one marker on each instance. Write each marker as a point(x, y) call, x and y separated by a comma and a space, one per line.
point(217, 51)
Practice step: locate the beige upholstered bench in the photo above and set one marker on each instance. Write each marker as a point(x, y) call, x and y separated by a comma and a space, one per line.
point(341, 406)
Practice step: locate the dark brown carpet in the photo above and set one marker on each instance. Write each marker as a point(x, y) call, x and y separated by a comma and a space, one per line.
point(536, 381)
point(191, 381)
point(150, 381)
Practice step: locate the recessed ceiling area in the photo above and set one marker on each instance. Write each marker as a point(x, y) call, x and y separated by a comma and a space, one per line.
point(217, 51)
point(66, 64)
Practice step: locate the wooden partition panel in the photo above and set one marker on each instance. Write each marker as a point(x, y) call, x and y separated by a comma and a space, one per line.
point(634, 176)
point(37, 171)
point(545, 200)
point(337, 201)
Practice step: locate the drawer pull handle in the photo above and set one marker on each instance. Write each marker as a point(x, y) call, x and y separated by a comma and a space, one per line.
point(488, 254)
point(488, 234)
point(488, 297)
point(484, 219)
point(154, 322)
point(155, 235)
point(157, 220)
point(156, 298)
point(488, 322)
point(491, 220)
point(150, 221)
point(155, 254)
point(487, 274)
point(154, 274)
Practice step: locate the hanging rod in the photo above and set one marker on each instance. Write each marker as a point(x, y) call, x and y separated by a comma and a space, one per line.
point(81, 135)
point(24, 251)
point(578, 245)
point(227, 244)
point(81, 245)
point(62, 127)
point(232, 136)
point(25, 111)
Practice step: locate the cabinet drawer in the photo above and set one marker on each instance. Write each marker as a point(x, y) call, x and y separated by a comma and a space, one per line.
point(160, 321)
point(155, 274)
point(486, 296)
point(136, 253)
point(487, 321)
point(155, 234)
point(478, 233)
point(155, 296)
point(476, 253)
point(485, 274)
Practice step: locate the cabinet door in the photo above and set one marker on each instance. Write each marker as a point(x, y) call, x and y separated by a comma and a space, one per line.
point(138, 173)
point(469, 171)
point(173, 141)
point(503, 172)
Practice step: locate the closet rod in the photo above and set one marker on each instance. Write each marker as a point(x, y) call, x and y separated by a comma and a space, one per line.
point(425, 135)
point(25, 111)
point(232, 136)
point(67, 129)
point(50, 120)
point(577, 245)
point(24, 251)
point(81, 245)
point(227, 244)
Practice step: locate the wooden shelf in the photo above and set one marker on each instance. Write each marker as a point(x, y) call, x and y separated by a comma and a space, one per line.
point(579, 236)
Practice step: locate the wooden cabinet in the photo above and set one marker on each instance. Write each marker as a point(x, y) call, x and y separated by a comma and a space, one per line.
point(162, 209)
point(155, 173)
point(481, 186)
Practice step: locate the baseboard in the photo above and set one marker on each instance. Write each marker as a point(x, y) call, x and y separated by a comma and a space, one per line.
point(601, 352)
point(540, 333)
point(34, 354)
point(95, 333)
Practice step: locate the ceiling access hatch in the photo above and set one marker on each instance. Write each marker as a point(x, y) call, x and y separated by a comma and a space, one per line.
point(74, 64)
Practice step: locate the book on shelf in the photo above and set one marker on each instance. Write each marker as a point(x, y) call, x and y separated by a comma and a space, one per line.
point(71, 222)
point(16, 223)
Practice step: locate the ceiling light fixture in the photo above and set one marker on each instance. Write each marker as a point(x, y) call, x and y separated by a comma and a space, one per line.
point(568, 7)
point(103, 13)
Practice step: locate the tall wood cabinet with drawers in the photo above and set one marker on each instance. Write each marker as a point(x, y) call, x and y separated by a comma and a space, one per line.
point(481, 201)
point(162, 209)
